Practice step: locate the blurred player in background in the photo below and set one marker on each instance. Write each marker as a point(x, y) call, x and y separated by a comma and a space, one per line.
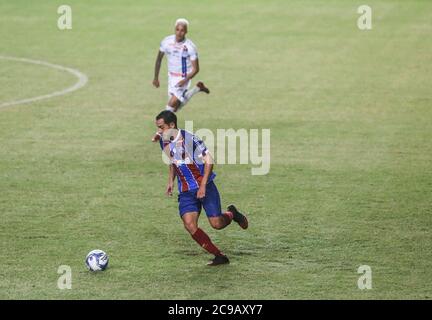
point(183, 65)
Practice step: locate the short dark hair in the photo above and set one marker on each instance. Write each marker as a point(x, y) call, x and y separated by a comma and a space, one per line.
point(168, 117)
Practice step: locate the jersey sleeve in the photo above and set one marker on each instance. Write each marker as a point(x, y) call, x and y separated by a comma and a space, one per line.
point(162, 47)
point(199, 148)
point(193, 52)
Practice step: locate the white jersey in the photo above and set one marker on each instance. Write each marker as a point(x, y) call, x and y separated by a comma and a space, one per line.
point(179, 55)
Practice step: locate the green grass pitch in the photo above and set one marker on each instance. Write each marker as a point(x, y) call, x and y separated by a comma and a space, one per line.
point(351, 150)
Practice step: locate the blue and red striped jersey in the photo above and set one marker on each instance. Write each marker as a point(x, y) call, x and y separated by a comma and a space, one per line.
point(186, 154)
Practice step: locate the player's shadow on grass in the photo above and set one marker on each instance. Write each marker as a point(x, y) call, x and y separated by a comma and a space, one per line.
point(242, 253)
point(188, 253)
point(194, 253)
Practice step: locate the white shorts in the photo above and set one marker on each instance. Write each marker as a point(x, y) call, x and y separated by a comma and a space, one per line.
point(177, 91)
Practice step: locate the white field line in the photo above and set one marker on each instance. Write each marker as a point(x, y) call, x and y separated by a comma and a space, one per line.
point(82, 81)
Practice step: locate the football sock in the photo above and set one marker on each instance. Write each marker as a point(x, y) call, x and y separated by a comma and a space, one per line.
point(170, 109)
point(188, 95)
point(191, 92)
point(204, 241)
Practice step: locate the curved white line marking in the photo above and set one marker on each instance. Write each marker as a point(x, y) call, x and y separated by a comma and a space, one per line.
point(82, 81)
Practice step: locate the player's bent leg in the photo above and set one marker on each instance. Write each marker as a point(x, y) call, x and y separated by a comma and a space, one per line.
point(189, 93)
point(190, 221)
point(173, 104)
point(219, 222)
point(205, 242)
point(212, 207)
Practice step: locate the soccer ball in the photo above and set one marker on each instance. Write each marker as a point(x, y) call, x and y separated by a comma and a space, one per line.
point(97, 260)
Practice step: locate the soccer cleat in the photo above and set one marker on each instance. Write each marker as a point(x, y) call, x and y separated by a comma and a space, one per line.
point(218, 260)
point(238, 217)
point(202, 87)
point(156, 137)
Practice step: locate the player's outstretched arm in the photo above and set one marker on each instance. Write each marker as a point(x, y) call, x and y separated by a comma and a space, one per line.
point(157, 69)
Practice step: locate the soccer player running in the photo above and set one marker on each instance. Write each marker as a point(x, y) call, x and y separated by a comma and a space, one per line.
point(192, 163)
point(183, 65)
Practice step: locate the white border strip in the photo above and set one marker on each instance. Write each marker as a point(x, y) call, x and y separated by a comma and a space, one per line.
point(82, 81)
